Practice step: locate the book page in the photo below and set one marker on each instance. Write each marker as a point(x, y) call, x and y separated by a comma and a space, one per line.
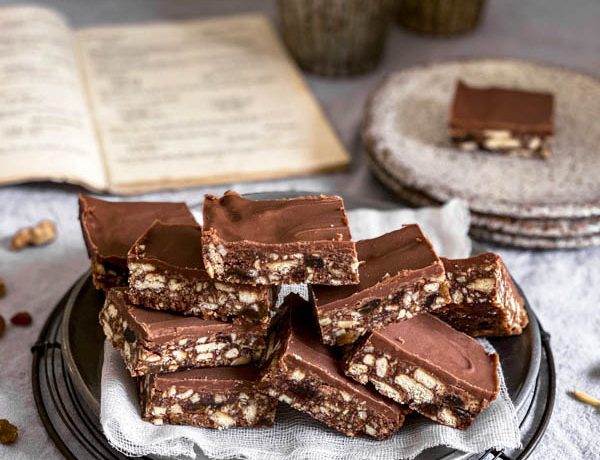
point(45, 125)
point(200, 102)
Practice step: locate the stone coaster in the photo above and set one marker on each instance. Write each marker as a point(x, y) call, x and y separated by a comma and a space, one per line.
point(545, 228)
point(405, 132)
point(529, 242)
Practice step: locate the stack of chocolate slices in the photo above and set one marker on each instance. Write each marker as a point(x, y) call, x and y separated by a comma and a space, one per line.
point(193, 312)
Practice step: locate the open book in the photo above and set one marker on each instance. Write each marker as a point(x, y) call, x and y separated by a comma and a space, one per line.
point(135, 108)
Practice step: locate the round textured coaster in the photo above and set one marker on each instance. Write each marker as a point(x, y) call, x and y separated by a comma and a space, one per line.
point(526, 233)
point(406, 132)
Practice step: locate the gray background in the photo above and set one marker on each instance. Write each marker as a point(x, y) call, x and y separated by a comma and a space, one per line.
point(561, 285)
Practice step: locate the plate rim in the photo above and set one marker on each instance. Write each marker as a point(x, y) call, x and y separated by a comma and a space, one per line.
point(67, 352)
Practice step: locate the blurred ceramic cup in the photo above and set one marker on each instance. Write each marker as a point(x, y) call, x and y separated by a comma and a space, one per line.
point(335, 37)
point(439, 17)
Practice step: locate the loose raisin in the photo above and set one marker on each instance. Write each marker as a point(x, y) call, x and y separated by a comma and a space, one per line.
point(8, 432)
point(21, 319)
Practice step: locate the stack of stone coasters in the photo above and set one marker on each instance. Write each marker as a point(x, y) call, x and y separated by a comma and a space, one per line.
point(190, 341)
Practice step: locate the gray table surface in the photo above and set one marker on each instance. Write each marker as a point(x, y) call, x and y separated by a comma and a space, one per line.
point(562, 285)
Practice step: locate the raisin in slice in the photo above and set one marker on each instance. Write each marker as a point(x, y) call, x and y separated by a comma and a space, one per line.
point(129, 335)
point(453, 400)
point(303, 390)
point(314, 261)
point(369, 306)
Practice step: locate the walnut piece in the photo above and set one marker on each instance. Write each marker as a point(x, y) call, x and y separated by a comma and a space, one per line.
point(43, 233)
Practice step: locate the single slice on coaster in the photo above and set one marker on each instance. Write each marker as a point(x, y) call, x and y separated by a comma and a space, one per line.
point(110, 228)
point(485, 301)
point(286, 241)
point(306, 374)
point(511, 121)
point(155, 341)
point(400, 276)
point(166, 272)
point(220, 397)
point(439, 372)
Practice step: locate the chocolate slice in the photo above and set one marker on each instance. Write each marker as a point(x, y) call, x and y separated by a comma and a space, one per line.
point(503, 120)
point(307, 375)
point(220, 397)
point(110, 228)
point(485, 301)
point(154, 341)
point(166, 272)
point(400, 276)
point(287, 241)
point(438, 371)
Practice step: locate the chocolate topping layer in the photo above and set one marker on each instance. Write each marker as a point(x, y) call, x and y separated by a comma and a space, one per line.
point(161, 326)
point(431, 344)
point(312, 218)
point(110, 228)
point(211, 378)
point(395, 253)
point(518, 111)
point(486, 258)
point(177, 247)
point(303, 345)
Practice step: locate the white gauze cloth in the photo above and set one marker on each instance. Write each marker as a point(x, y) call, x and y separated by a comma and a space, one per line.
point(296, 435)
